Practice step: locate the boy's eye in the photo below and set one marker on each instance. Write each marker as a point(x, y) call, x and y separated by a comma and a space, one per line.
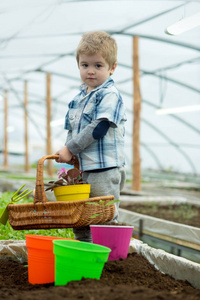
point(85, 65)
point(98, 66)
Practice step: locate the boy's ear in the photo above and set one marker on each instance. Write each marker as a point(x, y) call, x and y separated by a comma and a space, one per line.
point(113, 68)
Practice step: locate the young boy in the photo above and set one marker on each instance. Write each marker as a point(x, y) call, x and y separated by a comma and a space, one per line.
point(95, 122)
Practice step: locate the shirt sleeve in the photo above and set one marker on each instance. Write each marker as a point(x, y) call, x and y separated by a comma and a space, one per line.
point(72, 105)
point(110, 107)
point(69, 136)
point(88, 135)
point(67, 125)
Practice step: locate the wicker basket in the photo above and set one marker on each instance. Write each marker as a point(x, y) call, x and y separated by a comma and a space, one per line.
point(42, 214)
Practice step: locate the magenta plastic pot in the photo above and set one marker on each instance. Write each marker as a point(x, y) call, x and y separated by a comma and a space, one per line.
point(117, 238)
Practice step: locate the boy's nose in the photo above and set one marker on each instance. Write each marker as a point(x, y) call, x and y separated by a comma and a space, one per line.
point(91, 71)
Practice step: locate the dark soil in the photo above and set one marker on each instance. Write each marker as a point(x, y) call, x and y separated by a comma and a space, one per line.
point(133, 278)
point(183, 213)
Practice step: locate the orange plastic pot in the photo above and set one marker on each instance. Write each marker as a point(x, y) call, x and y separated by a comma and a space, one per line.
point(41, 260)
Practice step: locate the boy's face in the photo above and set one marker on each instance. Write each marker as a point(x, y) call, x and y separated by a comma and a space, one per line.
point(94, 70)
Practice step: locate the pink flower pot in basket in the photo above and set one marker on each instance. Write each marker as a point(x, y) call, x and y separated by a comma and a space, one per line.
point(117, 238)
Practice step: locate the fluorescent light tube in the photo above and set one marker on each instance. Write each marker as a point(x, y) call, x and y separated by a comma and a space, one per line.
point(184, 25)
point(176, 110)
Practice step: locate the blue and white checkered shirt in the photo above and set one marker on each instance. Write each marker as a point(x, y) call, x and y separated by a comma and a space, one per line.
point(104, 102)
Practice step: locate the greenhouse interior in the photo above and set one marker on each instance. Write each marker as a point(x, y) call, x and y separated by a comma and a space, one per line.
point(158, 78)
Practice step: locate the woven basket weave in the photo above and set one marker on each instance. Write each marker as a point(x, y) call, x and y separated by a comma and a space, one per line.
point(42, 214)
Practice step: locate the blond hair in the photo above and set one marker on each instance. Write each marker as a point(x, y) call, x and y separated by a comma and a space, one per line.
point(98, 42)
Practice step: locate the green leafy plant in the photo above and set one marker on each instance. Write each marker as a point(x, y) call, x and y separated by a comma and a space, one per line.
point(4, 213)
point(66, 177)
point(102, 205)
point(8, 233)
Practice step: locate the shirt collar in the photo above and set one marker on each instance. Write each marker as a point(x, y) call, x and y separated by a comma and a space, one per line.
point(105, 84)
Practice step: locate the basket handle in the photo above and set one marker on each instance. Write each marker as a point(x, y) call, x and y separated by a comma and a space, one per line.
point(40, 195)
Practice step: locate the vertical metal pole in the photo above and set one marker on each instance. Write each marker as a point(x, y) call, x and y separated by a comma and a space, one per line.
point(48, 101)
point(179, 252)
point(5, 164)
point(140, 233)
point(27, 168)
point(136, 168)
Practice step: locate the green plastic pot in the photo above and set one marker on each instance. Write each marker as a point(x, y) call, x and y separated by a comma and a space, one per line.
point(73, 260)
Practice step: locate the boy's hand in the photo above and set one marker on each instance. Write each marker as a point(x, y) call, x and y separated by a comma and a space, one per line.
point(65, 155)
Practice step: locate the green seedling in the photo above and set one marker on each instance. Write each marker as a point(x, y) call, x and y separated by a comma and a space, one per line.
point(4, 213)
point(102, 205)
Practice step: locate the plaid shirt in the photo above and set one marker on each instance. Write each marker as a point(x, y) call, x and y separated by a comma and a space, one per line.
point(103, 102)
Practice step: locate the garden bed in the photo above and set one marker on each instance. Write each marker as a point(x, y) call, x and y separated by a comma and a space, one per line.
point(180, 213)
point(132, 278)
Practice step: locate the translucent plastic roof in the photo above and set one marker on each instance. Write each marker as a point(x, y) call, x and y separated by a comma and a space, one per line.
point(41, 36)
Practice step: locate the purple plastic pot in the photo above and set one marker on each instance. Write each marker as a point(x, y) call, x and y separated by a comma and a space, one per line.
point(117, 238)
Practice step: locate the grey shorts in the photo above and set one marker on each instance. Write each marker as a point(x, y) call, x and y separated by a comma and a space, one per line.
point(110, 182)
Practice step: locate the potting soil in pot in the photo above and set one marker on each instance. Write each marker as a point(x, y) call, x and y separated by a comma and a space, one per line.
point(133, 278)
